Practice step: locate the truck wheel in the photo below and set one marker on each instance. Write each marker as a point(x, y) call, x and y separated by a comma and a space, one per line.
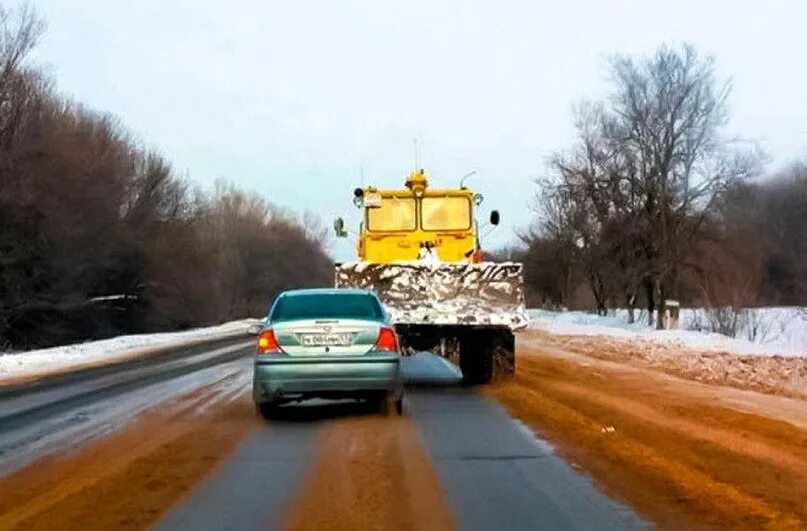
point(476, 362)
point(487, 355)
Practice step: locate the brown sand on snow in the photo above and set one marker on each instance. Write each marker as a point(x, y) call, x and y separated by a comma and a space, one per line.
point(127, 480)
point(370, 473)
point(678, 455)
point(779, 375)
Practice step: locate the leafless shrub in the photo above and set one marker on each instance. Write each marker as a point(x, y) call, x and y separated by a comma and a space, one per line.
point(761, 328)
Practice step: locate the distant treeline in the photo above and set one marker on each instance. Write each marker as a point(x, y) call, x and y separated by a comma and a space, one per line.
point(655, 201)
point(98, 236)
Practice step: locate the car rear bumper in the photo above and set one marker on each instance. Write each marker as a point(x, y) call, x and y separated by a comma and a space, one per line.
point(288, 378)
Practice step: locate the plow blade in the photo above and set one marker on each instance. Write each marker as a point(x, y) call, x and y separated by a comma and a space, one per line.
point(483, 294)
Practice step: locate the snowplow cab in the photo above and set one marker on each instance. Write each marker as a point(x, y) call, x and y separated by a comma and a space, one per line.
point(408, 223)
point(418, 248)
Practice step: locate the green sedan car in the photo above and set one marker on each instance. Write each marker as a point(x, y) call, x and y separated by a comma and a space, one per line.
point(327, 343)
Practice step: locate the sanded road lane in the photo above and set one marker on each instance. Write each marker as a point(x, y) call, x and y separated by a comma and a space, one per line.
point(685, 454)
point(481, 469)
point(59, 415)
point(127, 479)
point(370, 473)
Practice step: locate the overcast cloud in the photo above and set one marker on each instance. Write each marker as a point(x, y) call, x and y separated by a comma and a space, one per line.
point(293, 99)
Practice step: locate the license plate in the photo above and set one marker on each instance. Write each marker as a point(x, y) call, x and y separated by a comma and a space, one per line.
point(326, 340)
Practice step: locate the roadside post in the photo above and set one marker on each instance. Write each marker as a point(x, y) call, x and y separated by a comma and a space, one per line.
point(671, 314)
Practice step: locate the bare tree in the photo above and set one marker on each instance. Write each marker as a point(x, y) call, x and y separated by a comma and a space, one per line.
point(594, 184)
point(87, 215)
point(649, 164)
point(669, 112)
point(20, 30)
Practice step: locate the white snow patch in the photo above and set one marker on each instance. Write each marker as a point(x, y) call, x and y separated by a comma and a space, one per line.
point(784, 330)
point(33, 363)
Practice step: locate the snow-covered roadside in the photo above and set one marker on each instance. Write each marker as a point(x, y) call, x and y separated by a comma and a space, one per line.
point(785, 331)
point(20, 366)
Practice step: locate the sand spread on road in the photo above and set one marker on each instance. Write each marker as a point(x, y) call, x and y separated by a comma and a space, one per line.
point(682, 459)
point(129, 479)
point(370, 473)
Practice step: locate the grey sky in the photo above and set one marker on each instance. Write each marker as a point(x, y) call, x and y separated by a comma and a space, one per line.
point(291, 99)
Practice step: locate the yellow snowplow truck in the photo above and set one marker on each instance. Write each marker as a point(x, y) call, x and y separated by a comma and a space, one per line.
point(418, 249)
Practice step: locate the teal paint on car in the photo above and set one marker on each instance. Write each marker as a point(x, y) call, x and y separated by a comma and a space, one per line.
point(327, 343)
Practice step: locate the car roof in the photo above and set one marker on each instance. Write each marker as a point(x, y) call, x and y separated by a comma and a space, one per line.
point(326, 291)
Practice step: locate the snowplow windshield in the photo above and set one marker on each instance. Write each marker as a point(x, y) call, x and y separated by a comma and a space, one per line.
point(445, 213)
point(393, 214)
point(398, 214)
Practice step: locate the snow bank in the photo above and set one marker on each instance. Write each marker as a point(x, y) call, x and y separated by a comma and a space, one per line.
point(24, 365)
point(775, 331)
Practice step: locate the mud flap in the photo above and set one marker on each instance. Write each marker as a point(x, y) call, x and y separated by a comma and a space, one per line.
point(503, 354)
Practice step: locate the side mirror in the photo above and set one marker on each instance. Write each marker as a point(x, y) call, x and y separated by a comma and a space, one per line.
point(495, 218)
point(358, 197)
point(339, 228)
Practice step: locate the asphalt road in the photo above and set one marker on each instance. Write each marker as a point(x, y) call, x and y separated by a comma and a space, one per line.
point(66, 410)
point(494, 472)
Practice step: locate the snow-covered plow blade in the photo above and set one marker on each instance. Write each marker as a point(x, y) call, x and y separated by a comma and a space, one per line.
point(482, 294)
point(464, 312)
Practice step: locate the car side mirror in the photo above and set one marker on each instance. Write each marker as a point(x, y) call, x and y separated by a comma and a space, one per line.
point(495, 218)
point(339, 228)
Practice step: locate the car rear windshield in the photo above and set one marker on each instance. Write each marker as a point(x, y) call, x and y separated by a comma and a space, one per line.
point(327, 306)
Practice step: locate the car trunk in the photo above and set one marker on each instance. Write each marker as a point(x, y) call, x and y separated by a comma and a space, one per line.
point(332, 337)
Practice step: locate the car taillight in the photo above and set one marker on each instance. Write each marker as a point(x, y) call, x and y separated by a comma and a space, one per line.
point(267, 343)
point(387, 340)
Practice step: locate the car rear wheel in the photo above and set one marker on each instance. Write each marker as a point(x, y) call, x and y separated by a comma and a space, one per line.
point(393, 406)
point(388, 405)
point(267, 410)
point(397, 406)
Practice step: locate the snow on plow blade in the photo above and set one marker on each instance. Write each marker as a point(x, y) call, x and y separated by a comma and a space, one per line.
point(487, 294)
